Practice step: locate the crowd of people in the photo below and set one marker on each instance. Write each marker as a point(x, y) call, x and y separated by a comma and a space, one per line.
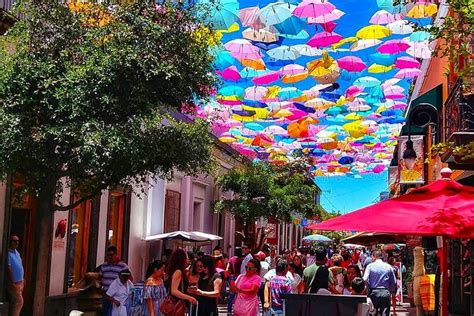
point(249, 282)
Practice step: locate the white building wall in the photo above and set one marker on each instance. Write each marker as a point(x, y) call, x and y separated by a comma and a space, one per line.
point(137, 247)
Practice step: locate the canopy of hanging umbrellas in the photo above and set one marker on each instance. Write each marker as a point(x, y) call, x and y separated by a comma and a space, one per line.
point(329, 79)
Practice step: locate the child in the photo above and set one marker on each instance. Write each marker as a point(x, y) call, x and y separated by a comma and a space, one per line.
point(358, 288)
point(118, 293)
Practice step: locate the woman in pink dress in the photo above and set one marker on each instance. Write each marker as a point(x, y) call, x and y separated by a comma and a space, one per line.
point(246, 286)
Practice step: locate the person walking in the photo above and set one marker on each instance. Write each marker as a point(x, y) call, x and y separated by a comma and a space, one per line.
point(381, 283)
point(177, 281)
point(278, 285)
point(209, 288)
point(15, 275)
point(155, 291)
point(118, 293)
point(317, 277)
point(246, 287)
point(109, 271)
point(247, 254)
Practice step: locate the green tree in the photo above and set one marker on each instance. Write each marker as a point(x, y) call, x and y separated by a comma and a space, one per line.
point(85, 93)
point(268, 191)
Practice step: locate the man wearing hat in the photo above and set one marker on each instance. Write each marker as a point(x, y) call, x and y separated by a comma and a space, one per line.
point(118, 292)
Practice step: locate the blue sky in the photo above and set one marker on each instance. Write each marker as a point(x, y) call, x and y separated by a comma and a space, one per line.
point(346, 194)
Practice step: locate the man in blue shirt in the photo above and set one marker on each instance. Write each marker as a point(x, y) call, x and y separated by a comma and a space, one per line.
point(380, 282)
point(15, 274)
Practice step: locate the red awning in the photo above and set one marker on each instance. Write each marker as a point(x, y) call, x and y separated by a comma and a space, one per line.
point(442, 208)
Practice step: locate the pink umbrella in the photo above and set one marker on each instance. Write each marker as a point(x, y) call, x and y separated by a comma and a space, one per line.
point(327, 17)
point(292, 69)
point(353, 90)
point(378, 168)
point(382, 17)
point(249, 17)
point(297, 114)
point(407, 62)
point(400, 106)
point(394, 92)
point(267, 78)
point(243, 49)
point(351, 63)
point(329, 26)
point(313, 8)
point(393, 46)
point(255, 93)
point(230, 73)
point(229, 102)
point(408, 73)
point(324, 39)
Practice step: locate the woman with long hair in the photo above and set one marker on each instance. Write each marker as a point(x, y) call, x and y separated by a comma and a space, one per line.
point(178, 282)
point(353, 271)
point(209, 288)
point(155, 291)
point(299, 267)
point(338, 273)
point(195, 273)
point(246, 286)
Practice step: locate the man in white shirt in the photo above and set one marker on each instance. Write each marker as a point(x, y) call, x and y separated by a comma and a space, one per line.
point(247, 253)
point(118, 292)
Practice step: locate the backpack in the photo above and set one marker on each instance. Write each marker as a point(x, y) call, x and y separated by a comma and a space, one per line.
point(320, 279)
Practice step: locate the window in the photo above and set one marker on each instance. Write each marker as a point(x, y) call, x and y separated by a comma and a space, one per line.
point(118, 220)
point(78, 247)
point(172, 211)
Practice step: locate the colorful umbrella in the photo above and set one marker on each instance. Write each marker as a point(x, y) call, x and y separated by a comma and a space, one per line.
point(367, 82)
point(255, 93)
point(420, 50)
point(382, 17)
point(313, 8)
point(324, 39)
point(363, 44)
point(292, 69)
point(222, 13)
point(376, 68)
point(327, 17)
point(408, 73)
point(351, 63)
point(275, 13)
point(373, 32)
point(291, 26)
point(260, 35)
point(307, 50)
point(393, 46)
point(284, 53)
point(242, 48)
point(400, 27)
point(422, 10)
point(406, 62)
point(266, 78)
point(230, 73)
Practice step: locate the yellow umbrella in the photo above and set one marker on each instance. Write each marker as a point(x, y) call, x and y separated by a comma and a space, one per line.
point(355, 129)
point(344, 41)
point(272, 92)
point(376, 68)
point(318, 173)
point(353, 116)
point(233, 28)
point(282, 113)
point(230, 98)
point(324, 70)
point(422, 10)
point(227, 139)
point(260, 113)
point(242, 118)
point(294, 78)
point(373, 32)
point(257, 64)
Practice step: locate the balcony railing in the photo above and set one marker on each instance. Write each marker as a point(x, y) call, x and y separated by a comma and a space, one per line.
point(459, 111)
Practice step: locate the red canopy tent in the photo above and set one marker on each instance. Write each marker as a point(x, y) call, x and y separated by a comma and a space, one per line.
point(442, 208)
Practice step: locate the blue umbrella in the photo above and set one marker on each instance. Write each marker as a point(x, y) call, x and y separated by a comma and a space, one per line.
point(301, 35)
point(346, 160)
point(223, 59)
point(382, 59)
point(289, 93)
point(292, 26)
point(275, 13)
point(221, 14)
point(231, 90)
point(317, 238)
point(284, 53)
point(248, 72)
point(420, 36)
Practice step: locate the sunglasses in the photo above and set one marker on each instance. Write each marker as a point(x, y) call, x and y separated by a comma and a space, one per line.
point(250, 268)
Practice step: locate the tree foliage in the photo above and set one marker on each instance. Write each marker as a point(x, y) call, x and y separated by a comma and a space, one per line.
point(85, 92)
point(269, 191)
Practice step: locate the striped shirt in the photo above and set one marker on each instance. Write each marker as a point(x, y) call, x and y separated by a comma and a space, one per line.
point(110, 271)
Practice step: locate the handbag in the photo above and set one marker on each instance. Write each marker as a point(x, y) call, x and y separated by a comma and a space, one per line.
point(172, 306)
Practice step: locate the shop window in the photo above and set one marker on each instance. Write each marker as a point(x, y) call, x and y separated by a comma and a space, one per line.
point(172, 211)
point(118, 220)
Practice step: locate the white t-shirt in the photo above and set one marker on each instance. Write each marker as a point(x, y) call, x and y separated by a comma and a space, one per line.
point(120, 292)
point(264, 267)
